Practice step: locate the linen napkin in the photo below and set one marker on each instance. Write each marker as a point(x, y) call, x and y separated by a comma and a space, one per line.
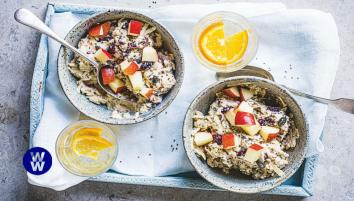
point(299, 47)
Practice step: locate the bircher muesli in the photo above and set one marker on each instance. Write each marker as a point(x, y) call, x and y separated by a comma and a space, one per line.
point(135, 66)
point(245, 129)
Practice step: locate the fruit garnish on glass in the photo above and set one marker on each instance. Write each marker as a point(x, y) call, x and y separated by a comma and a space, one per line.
point(86, 148)
point(89, 142)
point(224, 41)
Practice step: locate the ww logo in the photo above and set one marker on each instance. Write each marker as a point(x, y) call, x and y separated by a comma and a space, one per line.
point(37, 161)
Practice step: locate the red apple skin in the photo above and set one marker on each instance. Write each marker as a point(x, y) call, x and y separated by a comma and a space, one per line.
point(271, 137)
point(228, 140)
point(107, 75)
point(134, 27)
point(149, 93)
point(133, 67)
point(107, 53)
point(232, 92)
point(100, 30)
point(256, 147)
point(244, 118)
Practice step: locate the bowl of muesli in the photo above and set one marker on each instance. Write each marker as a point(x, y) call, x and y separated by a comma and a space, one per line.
point(245, 134)
point(140, 62)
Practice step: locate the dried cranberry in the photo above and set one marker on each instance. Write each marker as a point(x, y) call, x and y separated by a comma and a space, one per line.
point(273, 109)
point(261, 122)
point(241, 152)
point(217, 139)
point(225, 109)
point(269, 121)
point(111, 49)
point(146, 64)
point(132, 46)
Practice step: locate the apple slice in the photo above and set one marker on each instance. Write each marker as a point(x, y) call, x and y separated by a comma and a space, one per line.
point(129, 68)
point(232, 92)
point(137, 81)
point(244, 107)
point(202, 138)
point(117, 86)
point(253, 153)
point(134, 27)
point(245, 94)
point(149, 54)
point(107, 75)
point(230, 116)
point(100, 30)
point(102, 56)
point(147, 92)
point(244, 119)
point(251, 130)
point(269, 133)
point(230, 140)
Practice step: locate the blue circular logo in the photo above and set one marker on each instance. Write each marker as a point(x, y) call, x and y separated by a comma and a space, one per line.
point(37, 160)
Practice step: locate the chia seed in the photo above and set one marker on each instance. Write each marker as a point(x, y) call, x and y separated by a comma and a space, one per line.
point(155, 79)
point(260, 164)
point(138, 60)
point(125, 25)
point(282, 121)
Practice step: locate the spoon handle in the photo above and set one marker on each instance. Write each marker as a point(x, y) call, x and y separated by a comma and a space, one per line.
point(316, 98)
point(27, 18)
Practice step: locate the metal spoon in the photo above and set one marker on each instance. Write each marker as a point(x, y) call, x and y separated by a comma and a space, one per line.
point(344, 104)
point(27, 18)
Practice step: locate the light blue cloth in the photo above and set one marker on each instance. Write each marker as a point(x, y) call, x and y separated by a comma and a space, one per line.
point(299, 47)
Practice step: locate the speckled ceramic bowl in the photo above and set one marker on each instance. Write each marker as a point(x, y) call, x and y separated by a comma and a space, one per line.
point(236, 181)
point(100, 112)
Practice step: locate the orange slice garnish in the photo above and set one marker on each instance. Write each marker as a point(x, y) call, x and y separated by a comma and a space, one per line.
point(221, 49)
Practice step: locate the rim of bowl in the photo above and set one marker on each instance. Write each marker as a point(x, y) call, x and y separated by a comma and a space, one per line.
point(153, 112)
point(280, 180)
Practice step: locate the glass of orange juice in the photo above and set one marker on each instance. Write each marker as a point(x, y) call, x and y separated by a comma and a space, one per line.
point(86, 148)
point(224, 41)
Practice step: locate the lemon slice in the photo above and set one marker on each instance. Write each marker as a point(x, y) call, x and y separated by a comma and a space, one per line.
point(89, 143)
point(219, 49)
point(97, 132)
